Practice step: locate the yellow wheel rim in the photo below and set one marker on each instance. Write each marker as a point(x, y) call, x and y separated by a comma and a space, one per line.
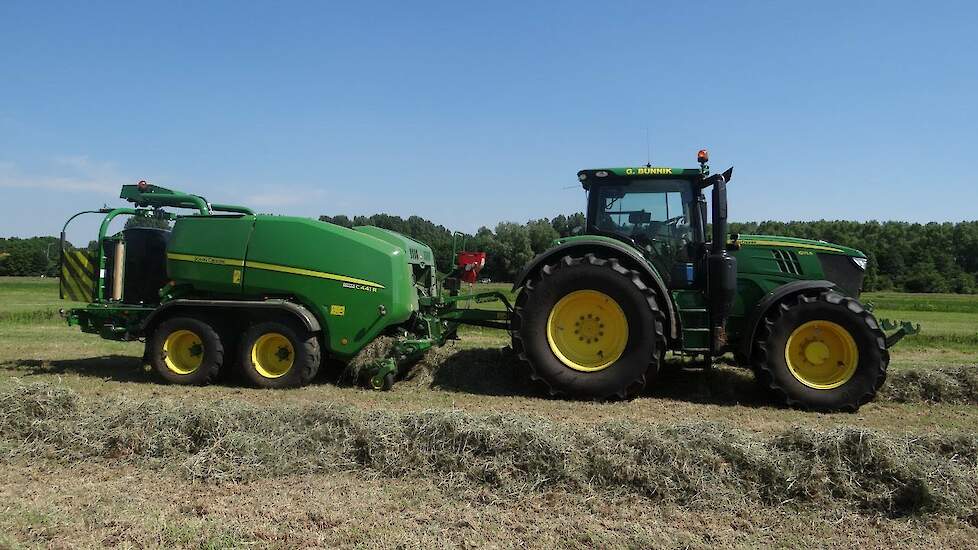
point(272, 355)
point(587, 330)
point(821, 355)
point(184, 351)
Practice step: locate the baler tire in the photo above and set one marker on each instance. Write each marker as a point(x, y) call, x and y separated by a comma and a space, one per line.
point(185, 369)
point(639, 360)
point(844, 315)
point(300, 346)
point(385, 384)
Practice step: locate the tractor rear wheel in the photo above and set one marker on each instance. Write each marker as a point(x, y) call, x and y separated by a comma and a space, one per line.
point(823, 352)
point(186, 350)
point(589, 328)
point(279, 354)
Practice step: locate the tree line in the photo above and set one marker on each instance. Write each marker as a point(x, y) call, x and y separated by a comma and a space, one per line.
point(908, 257)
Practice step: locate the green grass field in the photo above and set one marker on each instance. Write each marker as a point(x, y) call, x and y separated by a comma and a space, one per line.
point(98, 452)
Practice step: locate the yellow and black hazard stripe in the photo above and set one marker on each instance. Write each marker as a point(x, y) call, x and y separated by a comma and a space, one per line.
point(78, 276)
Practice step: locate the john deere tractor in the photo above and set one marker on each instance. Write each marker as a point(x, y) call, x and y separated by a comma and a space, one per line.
point(596, 313)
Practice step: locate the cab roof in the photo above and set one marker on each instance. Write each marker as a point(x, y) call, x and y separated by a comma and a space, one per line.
point(600, 175)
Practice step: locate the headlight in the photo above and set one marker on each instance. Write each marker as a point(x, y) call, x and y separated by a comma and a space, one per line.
point(860, 263)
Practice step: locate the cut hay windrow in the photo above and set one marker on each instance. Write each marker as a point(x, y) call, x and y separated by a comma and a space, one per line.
point(949, 385)
point(693, 464)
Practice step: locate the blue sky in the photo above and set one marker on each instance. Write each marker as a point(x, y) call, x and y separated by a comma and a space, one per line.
point(472, 113)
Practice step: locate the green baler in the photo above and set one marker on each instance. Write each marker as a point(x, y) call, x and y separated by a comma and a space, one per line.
point(272, 293)
point(594, 315)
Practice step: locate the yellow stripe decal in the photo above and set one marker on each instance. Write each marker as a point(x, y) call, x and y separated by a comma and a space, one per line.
point(204, 259)
point(311, 273)
point(787, 244)
point(271, 267)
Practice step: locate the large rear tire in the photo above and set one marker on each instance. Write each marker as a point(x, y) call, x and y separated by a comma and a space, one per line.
point(588, 328)
point(279, 354)
point(186, 350)
point(823, 352)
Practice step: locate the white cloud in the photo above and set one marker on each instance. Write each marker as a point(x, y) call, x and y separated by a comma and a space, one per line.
point(66, 173)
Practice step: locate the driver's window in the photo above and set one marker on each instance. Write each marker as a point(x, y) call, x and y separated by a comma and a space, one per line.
point(656, 209)
point(643, 211)
point(654, 214)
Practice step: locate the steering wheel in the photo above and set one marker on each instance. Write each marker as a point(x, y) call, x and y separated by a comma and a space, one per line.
point(675, 221)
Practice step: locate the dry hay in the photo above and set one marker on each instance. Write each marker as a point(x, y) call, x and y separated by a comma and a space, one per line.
point(699, 463)
point(951, 385)
point(380, 348)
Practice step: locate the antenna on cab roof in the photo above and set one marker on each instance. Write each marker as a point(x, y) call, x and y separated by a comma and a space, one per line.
point(648, 149)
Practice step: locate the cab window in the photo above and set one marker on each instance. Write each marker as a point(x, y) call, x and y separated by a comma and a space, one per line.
point(647, 209)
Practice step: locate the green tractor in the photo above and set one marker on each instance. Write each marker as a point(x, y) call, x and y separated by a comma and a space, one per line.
point(274, 297)
point(596, 313)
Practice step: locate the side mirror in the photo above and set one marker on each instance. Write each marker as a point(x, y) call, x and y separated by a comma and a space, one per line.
point(728, 175)
point(712, 180)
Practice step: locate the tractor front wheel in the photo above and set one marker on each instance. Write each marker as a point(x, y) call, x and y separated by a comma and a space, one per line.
point(823, 352)
point(589, 328)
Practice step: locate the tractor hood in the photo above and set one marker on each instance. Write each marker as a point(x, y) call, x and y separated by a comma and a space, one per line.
point(774, 241)
point(793, 258)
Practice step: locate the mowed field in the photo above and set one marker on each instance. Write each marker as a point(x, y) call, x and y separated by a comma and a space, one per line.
point(465, 453)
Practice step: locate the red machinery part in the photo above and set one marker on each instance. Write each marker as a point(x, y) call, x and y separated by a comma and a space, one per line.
point(470, 264)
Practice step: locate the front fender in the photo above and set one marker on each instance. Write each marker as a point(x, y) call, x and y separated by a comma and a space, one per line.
point(629, 257)
point(772, 298)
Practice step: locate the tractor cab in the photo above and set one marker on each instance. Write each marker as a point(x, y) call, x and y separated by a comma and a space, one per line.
point(654, 209)
point(660, 211)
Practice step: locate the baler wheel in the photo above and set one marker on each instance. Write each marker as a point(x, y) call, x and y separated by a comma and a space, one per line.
point(589, 328)
point(822, 352)
point(279, 354)
point(383, 383)
point(186, 350)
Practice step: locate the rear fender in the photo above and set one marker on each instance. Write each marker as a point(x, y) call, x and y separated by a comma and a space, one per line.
point(628, 256)
point(297, 311)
